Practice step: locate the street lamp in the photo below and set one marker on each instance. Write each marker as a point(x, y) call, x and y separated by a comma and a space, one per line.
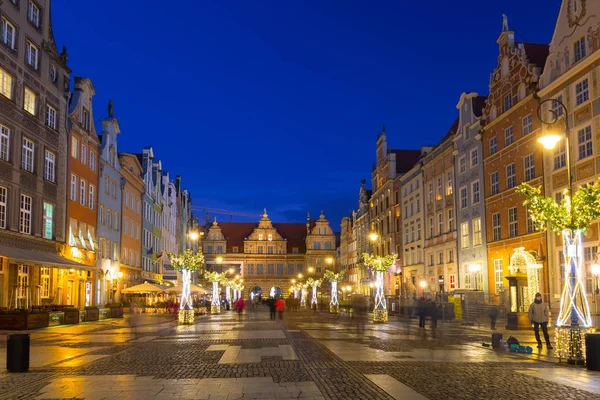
point(300, 276)
point(474, 269)
point(329, 260)
point(311, 270)
point(373, 236)
point(219, 259)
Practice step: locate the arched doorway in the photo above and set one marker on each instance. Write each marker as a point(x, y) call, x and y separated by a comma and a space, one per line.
point(255, 292)
point(275, 291)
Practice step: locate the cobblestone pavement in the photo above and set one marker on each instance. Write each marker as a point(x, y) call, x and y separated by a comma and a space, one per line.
point(304, 356)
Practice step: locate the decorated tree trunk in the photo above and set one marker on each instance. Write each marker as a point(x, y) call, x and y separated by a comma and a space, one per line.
point(186, 309)
point(380, 313)
point(313, 300)
point(303, 298)
point(228, 294)
point(215, 307)
point(334, 305)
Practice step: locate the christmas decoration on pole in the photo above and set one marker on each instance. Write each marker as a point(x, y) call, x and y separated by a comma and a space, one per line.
point(571, 218)
point(215, 278)
point(186, 263)
point(303, 293)
point(334, 278)
point(379, 265)
point(314, 284)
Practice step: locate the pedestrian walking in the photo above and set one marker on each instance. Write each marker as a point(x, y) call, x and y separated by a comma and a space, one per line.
point(280, 306)
point(272, 309)
point(538, 316)
point(433, 312)
point(239, 306)
point(359, 313)
point(421, 312)
point(493, 312)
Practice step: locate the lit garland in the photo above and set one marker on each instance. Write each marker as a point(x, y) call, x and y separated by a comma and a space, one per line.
point(380, 265)
point(571, 217)
point(334, 278)
point(215, 278)
point(185, 263)
point(314, 283)
point(522, 262)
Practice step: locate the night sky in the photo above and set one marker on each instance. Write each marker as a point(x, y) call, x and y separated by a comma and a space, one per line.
point(278, 104)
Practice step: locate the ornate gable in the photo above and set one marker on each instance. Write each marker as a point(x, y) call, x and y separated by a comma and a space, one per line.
point(265, 230)
point(576, 36)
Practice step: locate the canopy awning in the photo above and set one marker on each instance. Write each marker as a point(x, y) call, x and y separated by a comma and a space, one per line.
point(40, 258)
point(193, 289)
point(142, 288)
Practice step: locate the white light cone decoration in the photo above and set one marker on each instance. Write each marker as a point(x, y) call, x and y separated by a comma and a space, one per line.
point(303, 297)
point(228, 294)
point(334, 278)
point(215, 307)
point(186, 263)
point(380, 265)
point(313, 300)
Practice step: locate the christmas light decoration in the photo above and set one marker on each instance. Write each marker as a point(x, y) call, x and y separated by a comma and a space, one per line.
point(215, 278)
point(314, 284)
point(379, 265)
point(333, 278)
point(571, 218)
point(522, 262)
point(185, 263)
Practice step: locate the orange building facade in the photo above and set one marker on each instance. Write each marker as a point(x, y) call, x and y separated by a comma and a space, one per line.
point(512, 156)
point(76, 286)
point(131, 226)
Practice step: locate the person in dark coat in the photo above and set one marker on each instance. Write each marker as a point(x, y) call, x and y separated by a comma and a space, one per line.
point(493, 312)
point(272, 308)
point(433, 313)
point(421, 312)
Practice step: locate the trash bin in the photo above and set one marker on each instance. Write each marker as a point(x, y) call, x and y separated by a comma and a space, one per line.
point(17, 352)
point(592, 351)
point(496, 338)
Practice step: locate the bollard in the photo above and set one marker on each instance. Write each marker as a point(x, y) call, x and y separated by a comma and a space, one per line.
point(592, 351)
point(496, 338)
point(17, 352)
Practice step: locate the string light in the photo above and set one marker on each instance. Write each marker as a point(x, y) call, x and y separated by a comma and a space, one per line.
point(380, 265)
point(333, 278)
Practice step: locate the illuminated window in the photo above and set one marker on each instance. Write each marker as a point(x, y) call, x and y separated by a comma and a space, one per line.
point(29, 101)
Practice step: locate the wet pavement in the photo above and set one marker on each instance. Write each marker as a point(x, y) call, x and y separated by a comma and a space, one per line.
point(307, 356)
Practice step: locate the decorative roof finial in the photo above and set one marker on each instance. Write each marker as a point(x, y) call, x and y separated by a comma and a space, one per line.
point(265, 215)
point(504, 23)
point(110, 109)
point(215, 221)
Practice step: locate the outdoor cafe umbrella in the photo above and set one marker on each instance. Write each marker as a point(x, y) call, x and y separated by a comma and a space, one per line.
point(143, 288)
point(193, 289)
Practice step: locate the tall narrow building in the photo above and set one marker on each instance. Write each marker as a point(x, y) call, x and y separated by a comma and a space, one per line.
point(33, 155)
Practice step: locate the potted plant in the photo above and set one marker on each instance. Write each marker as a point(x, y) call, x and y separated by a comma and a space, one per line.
point(71, 316)
point(37, 318)
point(13, 319)
point(92, 313)
point(116, 310)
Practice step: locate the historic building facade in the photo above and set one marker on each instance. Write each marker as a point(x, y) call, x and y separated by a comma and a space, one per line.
point(359, 276)
point(413, 227)
point(111, 183)
point(469, 199)
point(511, 156)
point(131, 225)
point(77, 286)
point(33, 155)
point(440, 216)
point(168, 225)
point(151, 201)
point(571, 76)
point(267, 255)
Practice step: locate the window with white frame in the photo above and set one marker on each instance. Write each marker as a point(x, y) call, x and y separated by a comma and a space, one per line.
point(450, 255)
point(449, 184)
point(584, 141)
point(579, 49)
point(27, 155)
point(498, 275)
point(73, 187)
point(464, 235)
point(49, 166)
point(582, 93)
point(406, 235)
point(3, 201)
point(475, 193)
point(464, 201)
point(6, 83)
point(496, 228)
point(22, 281)
point(556, 109)
point(527, 124)
point(474, 157)
point(106, 184)
point(25, 214)
point(477, 232)
point(438, 193)
point(92, 197)
point(450, 220)
point(50, 116)
point(45, 282)
point(494, 183)
point(512, 222)
point(4, 143)
point(84, 151)
point(92, 160)
point(109, 217)
point(8, 33)
point(48, 221)
point(508, 136)
point(29, 101)
point(441, 257)
point(74, 147)
point(507, 104)
point(33, 13)
point(452, 281)
point(419, 231)
point(125, 224)
point(32, 54)
point(560, 155)
point(511, 177)
point(430, 227)
point(440, 223)
point(590, 257)
point(493, 145)
point(82, 191)
point(462, 165)
point(529, 167)
point(85, 120)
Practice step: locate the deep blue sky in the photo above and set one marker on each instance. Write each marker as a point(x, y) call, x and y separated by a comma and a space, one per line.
point(278, 104)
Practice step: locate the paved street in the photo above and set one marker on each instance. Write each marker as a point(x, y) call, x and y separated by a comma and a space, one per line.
point(304, 356)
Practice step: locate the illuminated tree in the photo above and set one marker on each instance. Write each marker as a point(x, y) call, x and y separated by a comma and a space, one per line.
point(186, 263)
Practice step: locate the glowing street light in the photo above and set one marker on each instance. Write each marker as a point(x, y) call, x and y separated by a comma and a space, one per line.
point(300, 276)
point(293, 281)
point(219, 259)
point(193, 235)
point(311, 269)
point(373, 236)
point(329, 260)
point(550, 140)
